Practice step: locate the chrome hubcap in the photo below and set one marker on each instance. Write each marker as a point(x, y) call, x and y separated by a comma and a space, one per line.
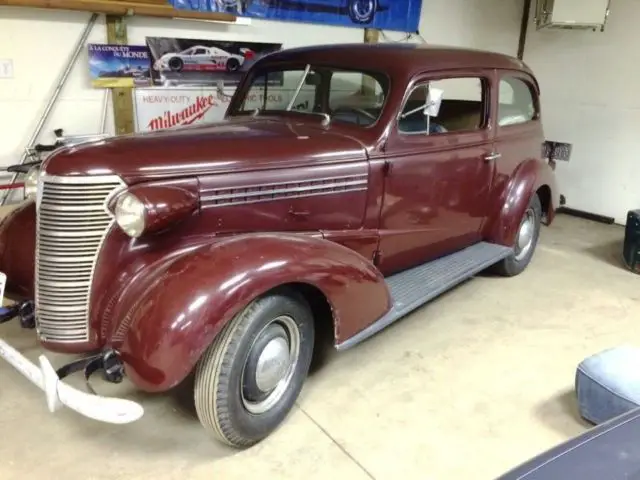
point(273, 363)
point(270, 365)
point(524, 241)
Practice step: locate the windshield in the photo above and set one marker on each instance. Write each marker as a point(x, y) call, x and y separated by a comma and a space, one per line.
point(337, 94)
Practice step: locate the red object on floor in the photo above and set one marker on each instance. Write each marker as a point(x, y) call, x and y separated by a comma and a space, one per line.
point(11, 186)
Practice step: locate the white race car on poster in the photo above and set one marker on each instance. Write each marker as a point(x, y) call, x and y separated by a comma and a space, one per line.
point(202, 58)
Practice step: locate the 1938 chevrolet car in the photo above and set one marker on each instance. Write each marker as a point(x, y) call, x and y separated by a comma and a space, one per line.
point(372, 180)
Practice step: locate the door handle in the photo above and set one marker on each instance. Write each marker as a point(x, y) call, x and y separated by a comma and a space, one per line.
point(492, 156)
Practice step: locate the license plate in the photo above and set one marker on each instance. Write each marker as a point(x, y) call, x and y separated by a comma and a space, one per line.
point(3, 282)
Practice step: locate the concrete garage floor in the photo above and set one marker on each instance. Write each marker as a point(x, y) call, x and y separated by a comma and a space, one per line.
point(467, 387)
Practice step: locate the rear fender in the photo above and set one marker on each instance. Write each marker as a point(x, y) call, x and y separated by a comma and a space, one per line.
point(512, 201)
point(179, 314)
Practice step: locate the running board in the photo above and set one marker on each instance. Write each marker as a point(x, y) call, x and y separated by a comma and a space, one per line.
point(414, 287)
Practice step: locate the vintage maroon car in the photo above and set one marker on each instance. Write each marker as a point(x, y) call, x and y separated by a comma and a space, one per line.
point(372, 180)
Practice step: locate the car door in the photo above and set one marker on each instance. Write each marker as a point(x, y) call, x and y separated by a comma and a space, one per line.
point(439, 170)
point(519, 134)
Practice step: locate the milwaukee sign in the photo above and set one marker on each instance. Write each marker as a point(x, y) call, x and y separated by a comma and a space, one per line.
point(158, 109)
point(195, 111)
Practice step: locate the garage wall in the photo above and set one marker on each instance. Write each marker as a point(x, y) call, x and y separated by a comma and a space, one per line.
point(40, 41)
point(591, 98)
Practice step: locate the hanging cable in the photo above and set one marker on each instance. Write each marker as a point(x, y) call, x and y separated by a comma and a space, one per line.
point(405, 39)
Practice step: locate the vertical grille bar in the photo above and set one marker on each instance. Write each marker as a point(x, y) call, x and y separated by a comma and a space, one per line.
point(72, 222)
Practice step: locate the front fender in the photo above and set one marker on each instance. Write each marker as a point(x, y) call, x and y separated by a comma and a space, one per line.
point(180, 313)
point(513, 199)
point(18, 248)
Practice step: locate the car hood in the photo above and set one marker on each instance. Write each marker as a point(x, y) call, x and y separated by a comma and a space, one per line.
point(233, 145)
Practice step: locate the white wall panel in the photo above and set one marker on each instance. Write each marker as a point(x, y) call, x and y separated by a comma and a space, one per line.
point(483, 24)
point(591, 98)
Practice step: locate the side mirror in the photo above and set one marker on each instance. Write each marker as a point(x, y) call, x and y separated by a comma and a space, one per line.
point(434, 100)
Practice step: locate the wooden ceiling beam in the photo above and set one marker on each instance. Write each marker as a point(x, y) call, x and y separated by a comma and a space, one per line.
point(122, 98)
point(149, 8)
point(371, 35)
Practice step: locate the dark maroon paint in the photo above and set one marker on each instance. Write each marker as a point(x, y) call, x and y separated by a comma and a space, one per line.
point(216, 281)
point(162, 298)
point(165, 203)
point(17, 249)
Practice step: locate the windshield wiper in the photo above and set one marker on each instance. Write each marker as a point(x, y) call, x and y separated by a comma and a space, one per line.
point(299, 87)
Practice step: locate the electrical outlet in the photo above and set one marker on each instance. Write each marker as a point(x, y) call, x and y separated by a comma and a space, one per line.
point(6, 68)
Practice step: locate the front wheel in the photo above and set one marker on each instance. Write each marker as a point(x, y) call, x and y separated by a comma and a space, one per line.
point(176, 64)
point(526, 241)
point(248, 380)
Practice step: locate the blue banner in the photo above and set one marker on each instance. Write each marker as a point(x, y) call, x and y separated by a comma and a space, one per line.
point(398, 15)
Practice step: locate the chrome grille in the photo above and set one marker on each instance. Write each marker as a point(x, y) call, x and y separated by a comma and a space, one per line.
point(72, 222)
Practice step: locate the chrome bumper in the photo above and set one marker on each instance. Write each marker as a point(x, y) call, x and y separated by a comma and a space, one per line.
point(58, 393)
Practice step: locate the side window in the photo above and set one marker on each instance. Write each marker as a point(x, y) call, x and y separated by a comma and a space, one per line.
point(413, 118)
point(517, 103)
point(266, 94)
point(461, 107)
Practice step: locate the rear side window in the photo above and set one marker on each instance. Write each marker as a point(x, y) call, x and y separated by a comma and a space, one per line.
point(461, 109)
point(517, 104)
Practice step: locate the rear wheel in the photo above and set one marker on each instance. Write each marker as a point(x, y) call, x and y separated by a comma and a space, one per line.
point(233, 64)
point(250, 377)
point(526, 241)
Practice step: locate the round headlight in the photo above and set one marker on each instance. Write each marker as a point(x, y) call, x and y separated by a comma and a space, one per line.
point(31, 183)
point(129, 213)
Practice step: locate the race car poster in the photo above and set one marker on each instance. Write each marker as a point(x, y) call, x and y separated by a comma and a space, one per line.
point(399, 15)
point(114, 66)
point(189, 62)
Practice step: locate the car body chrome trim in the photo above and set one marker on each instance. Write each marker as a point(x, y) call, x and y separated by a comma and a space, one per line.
point(66, 255)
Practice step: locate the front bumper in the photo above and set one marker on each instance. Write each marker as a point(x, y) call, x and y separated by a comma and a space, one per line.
point(58, 393)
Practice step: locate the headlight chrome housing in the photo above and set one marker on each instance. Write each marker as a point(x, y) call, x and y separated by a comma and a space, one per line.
point(130, 214)
point(31, 183)
point(148, 209)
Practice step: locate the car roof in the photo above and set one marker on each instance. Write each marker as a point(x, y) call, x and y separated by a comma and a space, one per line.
point(407, 58)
